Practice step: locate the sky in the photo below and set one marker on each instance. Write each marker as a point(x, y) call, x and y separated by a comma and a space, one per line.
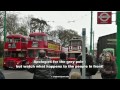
point(82, 19)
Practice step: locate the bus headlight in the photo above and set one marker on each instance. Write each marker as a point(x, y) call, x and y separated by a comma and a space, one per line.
point(18, 62)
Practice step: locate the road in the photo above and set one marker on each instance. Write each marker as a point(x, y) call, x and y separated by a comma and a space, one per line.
point(23, 74)
point(17, 74)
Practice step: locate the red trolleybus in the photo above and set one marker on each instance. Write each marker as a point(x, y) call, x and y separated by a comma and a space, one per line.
point(74, 48)
point(15, 51)
point(40, 40)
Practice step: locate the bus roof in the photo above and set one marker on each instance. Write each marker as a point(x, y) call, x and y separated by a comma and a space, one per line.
point(108, 49)
point(38, 34)
point(75, 39)
point(16, 36)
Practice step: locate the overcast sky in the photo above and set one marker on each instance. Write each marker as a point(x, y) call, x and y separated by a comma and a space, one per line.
point(82, 20)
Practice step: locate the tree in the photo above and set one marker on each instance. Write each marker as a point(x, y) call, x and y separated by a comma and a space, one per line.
point(12, 23)
point(24, 25)
point(1, 20)
point(37, 24)
point(48, 28)
point(1, 23)
point(22, 30)
point(27, 20)
point(64, 34)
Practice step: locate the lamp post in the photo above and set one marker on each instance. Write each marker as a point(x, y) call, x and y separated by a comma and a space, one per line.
point(91, 33)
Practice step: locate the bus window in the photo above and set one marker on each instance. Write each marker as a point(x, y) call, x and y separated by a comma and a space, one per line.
point(71, 55)
point(35, 44)
point(39, 38)
point(13, 54)
point(21, 54)
point(9, 40)
point(17, 40)
point(31, 53)
point(45, 38)
point(32, 38)
point(70, 43)
point(23, 40)
point(36, 53)
point(79, 43)
point(7, 54)
point(74, 43)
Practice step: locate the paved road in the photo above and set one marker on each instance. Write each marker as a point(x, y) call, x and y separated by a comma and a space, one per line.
point(23, 74)
point(17, 74)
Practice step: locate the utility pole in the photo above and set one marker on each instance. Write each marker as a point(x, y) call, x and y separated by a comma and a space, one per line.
point(93, 42)
point(118, 43)
point(91, 33)
point(5, 27)
point(84, 53)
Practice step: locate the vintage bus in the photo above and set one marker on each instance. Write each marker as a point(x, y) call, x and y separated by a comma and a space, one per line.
point(40, 40)
point(15, 50)
point(74, 48)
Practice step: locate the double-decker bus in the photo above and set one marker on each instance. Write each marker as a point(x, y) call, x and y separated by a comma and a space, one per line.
point(40, 40)
point(15, 50)
point(74, 48)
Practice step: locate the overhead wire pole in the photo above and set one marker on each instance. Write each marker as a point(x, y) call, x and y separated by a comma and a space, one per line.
point(118, 43)
point(91, 33)
point(84, 53)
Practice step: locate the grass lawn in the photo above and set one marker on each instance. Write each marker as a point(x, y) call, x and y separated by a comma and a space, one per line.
point(1, 60)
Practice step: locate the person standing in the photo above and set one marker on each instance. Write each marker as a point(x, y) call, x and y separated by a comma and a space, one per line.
point(41, 73)
point(89, 61)
point(109, 70)
point(62, 73)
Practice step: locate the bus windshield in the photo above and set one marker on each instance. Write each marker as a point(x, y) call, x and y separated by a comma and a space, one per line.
point(38, 38)
point(31, 53)
point(71, 55)
point(14, 54)
point(16, 40)
point(75, 43)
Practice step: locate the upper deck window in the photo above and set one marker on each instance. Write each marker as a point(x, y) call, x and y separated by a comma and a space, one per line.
point(39, 38)
point(45, 38)
point(23, 40)
point(16, 40)
point(9, 40)
point(32, 38)
point(76, 43)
